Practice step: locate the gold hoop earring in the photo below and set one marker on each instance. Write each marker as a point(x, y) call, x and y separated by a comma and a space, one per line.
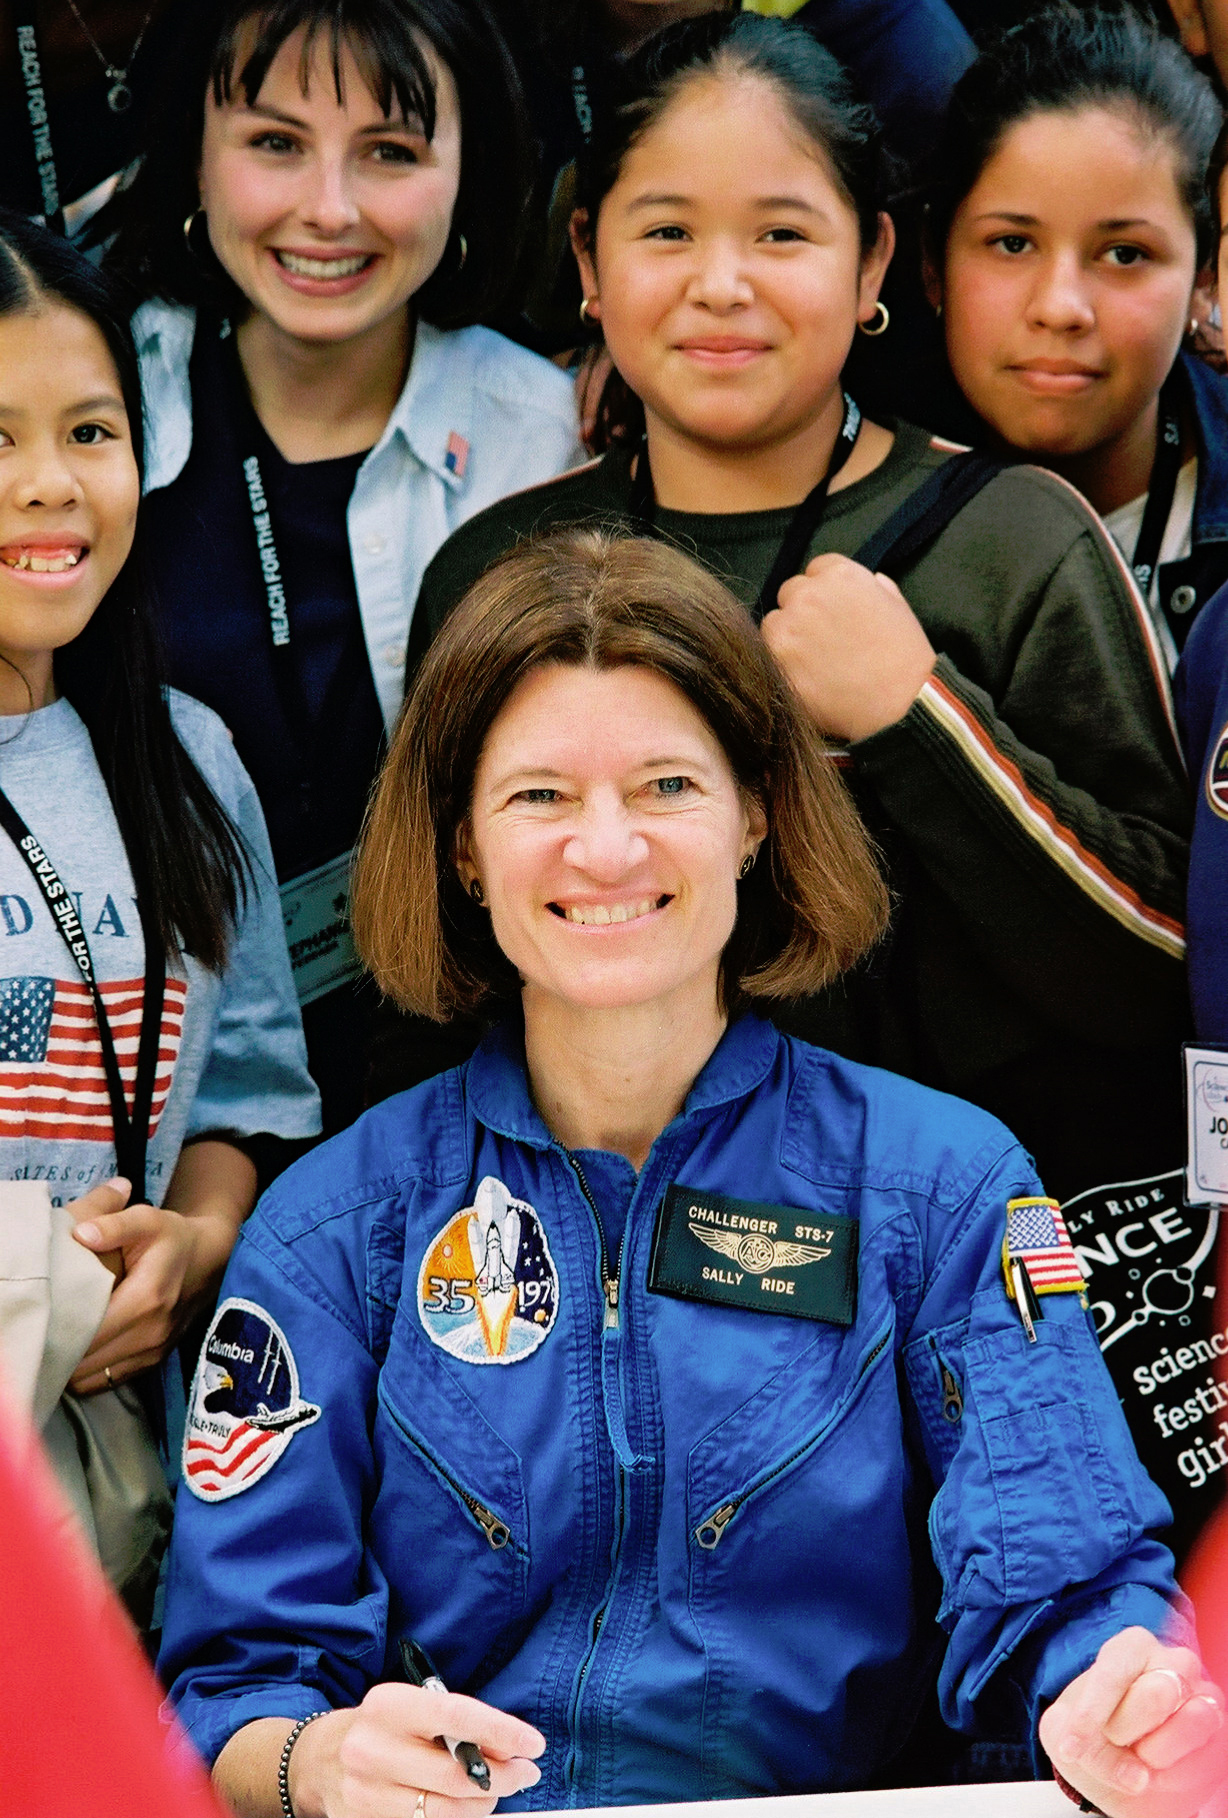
point(884, 320)
point(476, 891)
point(464, 251)
point(586, 305)
point(189, 224)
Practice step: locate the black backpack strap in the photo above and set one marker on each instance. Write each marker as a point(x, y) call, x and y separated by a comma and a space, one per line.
point(925, 513)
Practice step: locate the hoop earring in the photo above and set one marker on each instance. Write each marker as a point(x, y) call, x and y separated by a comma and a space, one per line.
point(884, 319)
point(586, 305)
point(476, 891)
point(464, 252)
point(189, 224)
point(747, 865)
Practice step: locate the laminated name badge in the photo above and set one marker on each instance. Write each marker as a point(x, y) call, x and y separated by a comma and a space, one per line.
point(316, 911)
point(1206, 1112)
point(763, 1259)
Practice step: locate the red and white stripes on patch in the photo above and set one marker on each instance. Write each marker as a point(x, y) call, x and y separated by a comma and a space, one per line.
point(1039, 821)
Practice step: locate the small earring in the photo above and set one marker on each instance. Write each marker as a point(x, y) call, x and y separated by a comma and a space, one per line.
point(476, 891)
point(586, 309)
point(938, 309)
point(464, 252)
point(884, 318)
point(745, 868)
point(189, 224)
point(1193, 325)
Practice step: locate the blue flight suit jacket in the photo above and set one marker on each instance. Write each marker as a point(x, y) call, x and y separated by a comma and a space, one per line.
point(708, 1551)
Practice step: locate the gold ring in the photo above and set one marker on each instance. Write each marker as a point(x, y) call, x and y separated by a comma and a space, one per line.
point(420, 1806)
point(106, 1370)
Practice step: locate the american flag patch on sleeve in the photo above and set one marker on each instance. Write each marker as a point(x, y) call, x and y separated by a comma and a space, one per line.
point(1036, 1236)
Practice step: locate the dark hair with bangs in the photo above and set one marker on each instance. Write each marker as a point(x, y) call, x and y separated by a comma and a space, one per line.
point(810, 907)
point(1064, 59)
point(229, 48)
point(815, 89)
point(188, 860)
point(813, 86)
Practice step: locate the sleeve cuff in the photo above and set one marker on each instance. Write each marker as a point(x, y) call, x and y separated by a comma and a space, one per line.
point(210, 1722)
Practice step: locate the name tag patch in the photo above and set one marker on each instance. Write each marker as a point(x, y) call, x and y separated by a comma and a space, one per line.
point(763, 1259)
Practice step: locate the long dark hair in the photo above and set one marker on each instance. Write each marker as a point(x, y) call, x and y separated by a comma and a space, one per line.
point(188, 860)
point(1063, 59)
point(814, 88)
point(229, 47)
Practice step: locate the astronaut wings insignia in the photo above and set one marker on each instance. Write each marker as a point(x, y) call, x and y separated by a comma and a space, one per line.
point(758, 1253)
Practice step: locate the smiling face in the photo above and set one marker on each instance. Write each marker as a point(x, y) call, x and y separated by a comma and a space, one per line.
point(607, 830)
point(69, 486)
point(326, 214)
point(1067, 282)
point(729, 287)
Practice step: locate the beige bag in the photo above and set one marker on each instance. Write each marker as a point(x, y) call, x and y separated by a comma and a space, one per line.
point(53, 1294)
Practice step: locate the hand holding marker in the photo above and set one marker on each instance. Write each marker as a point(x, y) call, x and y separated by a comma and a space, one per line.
point(419, 1671)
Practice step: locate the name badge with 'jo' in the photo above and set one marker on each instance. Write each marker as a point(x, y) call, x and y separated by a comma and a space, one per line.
point(760, 1258)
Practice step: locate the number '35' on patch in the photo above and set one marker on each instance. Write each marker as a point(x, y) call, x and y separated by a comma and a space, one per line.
point(488, 1290)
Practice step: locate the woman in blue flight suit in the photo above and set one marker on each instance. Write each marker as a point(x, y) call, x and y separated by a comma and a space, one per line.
point(623, 1367)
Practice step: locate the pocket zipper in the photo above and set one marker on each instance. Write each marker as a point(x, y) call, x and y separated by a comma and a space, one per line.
point(496, 1531)
point(952, 1398)
point(708, 1533)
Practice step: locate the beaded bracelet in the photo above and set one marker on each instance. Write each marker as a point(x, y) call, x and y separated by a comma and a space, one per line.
point(283, 1766)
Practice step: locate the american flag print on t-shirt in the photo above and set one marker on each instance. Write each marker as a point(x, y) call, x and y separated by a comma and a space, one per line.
point(52, 1083)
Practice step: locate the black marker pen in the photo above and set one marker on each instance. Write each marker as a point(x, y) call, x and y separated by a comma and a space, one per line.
point(419, 1671)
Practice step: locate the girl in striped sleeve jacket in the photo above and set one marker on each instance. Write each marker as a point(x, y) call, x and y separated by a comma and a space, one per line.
point(1004, 713)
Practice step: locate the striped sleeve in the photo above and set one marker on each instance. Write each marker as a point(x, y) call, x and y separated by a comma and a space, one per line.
point(1038, 818)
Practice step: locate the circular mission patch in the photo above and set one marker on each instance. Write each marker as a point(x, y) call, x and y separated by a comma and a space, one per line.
point(488, 1290)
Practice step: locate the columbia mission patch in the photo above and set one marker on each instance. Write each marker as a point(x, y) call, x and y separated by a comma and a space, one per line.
point(763, 1259)
point(245, 1407)
point(488, 1290)
point(1217, 777)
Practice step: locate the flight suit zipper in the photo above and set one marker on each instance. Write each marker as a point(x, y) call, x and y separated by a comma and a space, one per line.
point(496, 1530)
point(709, 1532)
point(609, 1277)
point(610, 1330)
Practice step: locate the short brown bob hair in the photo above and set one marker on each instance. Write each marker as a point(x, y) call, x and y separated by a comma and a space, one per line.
point(811, 905)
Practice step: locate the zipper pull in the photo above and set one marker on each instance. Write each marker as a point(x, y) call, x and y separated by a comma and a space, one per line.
point(709, 1532)
point(497, 1532)
point(952, 1400)
point(610, 1321)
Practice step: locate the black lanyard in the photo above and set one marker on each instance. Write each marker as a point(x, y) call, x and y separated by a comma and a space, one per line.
point(131, 1131)
point(802, 525)
point(40, 128)
point(1162, 488)
point(287, 678)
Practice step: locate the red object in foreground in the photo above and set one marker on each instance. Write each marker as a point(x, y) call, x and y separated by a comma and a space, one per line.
point(1205, 1578)
point(79, 1725)
point(1205, 1575)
